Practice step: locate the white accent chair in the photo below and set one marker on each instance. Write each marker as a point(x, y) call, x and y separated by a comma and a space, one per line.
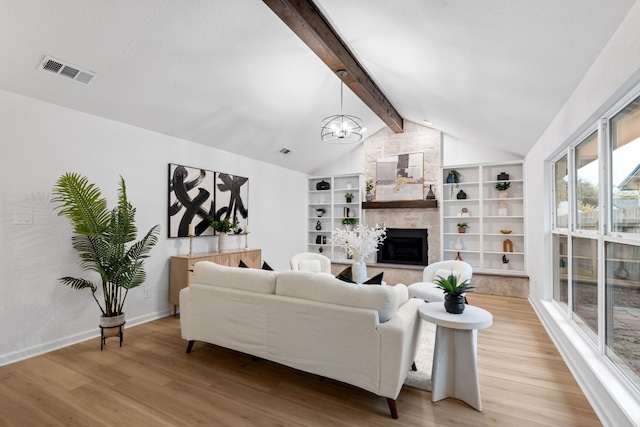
point(428, 290)
point(308, 261)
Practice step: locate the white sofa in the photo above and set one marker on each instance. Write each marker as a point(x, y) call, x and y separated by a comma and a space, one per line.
point(364, 335)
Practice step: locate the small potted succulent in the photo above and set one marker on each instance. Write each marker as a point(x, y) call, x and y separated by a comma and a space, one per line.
point(320, 211)
point(502, 188)
point(462, 227)
point(349, 223)
point(349, 197)
point(454, 290)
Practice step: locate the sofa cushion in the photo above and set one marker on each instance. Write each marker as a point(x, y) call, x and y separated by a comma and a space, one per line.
point(248, 279)
point(328, 289)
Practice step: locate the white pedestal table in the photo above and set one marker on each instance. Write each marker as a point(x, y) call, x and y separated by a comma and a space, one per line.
point(455, 370)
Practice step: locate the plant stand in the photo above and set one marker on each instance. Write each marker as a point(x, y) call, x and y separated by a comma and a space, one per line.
point(112, 331)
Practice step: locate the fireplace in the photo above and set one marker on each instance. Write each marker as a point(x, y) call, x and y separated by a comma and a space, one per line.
point(408, 246)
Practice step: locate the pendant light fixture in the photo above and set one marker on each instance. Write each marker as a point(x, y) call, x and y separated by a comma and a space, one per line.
point(341, 128)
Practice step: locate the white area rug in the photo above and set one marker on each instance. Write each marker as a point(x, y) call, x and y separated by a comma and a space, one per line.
point(422, 377)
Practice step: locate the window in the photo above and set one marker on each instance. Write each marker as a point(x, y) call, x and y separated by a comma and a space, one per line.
point(561, 177)
point(587, 183)
point(584, 278)
point(560, 268)
point(625, 169)
point(623, 307)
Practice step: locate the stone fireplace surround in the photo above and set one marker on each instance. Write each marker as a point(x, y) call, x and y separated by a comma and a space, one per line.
point(418, 138)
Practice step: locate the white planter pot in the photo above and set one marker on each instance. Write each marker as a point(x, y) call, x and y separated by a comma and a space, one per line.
point(223, 242)
point(503, 194)
point(505, 265)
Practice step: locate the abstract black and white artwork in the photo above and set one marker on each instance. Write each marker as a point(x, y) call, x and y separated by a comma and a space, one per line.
point(400, 177)
point(191, 200)
point(232, 199)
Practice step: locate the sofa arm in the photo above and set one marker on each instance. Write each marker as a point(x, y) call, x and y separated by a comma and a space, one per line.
point(399, 343)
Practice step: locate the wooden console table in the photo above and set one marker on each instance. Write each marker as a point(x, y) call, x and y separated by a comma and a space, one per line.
point(181, 268)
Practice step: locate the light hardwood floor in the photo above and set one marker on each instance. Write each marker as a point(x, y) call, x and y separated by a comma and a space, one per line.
point(150, 381)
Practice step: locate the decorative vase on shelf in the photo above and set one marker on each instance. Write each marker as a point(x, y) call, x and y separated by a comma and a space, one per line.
point(369, 197)
point(359, 270)
point(503, 194)
point(461, 195)
point(223, 242)
point(430, 195)
point(318, 225)
point(458, 244)
point(454, 304)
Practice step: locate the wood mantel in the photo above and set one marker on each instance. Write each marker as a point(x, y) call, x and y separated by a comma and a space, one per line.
point(401, 204)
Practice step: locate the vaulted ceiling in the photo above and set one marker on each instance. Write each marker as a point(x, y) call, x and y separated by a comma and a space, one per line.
point(230, 74)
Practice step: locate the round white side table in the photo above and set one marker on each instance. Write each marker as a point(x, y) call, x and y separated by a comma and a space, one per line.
point(455, 369)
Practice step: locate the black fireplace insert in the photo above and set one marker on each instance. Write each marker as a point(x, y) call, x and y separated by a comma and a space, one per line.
point(407, 246)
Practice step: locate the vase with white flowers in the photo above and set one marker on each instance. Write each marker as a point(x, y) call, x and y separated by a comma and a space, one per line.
point(358, 244)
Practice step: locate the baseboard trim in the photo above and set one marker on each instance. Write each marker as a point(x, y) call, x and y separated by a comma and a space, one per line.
point(47, 347)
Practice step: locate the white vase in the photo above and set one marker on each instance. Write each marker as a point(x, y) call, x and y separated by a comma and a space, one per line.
point(458, 244)
point(505, 265)
point(223, 242)
point(503, 194)
point(359, 270)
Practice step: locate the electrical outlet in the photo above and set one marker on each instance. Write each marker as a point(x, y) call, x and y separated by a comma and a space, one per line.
point(146, 292)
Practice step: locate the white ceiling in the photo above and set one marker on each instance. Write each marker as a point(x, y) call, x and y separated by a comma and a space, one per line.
point(231, 75)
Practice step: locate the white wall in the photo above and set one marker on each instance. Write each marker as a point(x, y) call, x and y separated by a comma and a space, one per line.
point(614, 73)
point(456, 152)
point(40, 142)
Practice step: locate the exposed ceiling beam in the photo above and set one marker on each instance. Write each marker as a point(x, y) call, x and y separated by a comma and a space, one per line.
point(306, 20)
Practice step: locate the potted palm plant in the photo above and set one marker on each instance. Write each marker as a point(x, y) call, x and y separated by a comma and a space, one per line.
point(106, 242)
point(454, 291)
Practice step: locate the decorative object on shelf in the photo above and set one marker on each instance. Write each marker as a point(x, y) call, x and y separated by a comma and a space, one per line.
point(454, 299)
point(323, 185)
point(507, 246)
point(318, 240)
point(246, 236)
point(320, 250)
point(462, 227)
point(464, 212)
point(349, 185)
point(352, 213)
point(324, 240)
point(505, 262)
point(102, 238)
point(461, 195)
point(368, 186)
point(458, 257)
point(341, 128)
point(348, 197)
point(562, 263)
point(320, 211)
point(505, 231)
point(453, 177)
point(349, 223)
point(502, 188)
point(359, 244)
point(458, 244)
point(318, 225)
point(430, 194)
point(400, 177)
point(502, 209)
point(222, 228)
point(503, 176)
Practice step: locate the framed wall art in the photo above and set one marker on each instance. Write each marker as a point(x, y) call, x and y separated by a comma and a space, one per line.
point(232, 199)
point(400, 177)
point(191, 200)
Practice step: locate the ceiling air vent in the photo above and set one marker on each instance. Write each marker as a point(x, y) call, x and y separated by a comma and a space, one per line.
point(285, 151)
point(66, 70)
